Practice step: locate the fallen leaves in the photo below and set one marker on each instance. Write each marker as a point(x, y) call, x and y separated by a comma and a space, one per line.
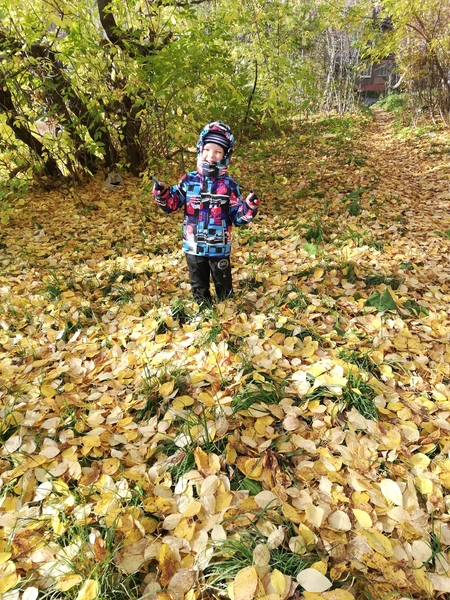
point(292, 442)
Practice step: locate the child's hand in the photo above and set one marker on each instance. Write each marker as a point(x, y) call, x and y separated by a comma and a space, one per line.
point(159, 187)
point(252, 200)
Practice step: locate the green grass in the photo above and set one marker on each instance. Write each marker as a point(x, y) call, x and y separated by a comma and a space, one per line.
point(315, 232)
point(54, 288)
point(236, 553)
point(360, 395)
point(175, 454)
point(375, 279)
point(357, 394)
point(148, 401)
point(393, 102)
point(364, 238)
point(257, 392)
point(362, 360)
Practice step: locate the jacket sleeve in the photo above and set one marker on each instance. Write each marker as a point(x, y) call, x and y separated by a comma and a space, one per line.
point(242, 211)
point(172, 198)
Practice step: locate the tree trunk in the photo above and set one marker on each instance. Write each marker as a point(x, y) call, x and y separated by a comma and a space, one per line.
point(131, 132)
point(23, 134)
point(64, 93)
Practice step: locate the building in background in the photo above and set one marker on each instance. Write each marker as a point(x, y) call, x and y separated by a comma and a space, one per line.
point(376, 80)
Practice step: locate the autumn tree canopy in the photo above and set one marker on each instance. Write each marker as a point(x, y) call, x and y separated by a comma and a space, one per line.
point(122, 84)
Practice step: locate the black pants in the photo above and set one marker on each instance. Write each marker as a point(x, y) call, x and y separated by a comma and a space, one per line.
point(200, 269)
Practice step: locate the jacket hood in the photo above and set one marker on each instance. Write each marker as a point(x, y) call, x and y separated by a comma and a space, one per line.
point(220, 168)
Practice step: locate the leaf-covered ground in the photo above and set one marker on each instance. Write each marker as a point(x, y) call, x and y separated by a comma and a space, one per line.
point(290, 442)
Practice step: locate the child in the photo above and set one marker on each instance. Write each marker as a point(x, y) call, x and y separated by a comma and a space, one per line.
point(212, 204)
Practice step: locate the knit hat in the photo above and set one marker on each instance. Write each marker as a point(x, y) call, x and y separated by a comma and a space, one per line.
point(219, 133)
point(217, 137)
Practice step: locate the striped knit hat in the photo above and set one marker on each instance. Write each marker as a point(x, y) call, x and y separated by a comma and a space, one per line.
point(217, 137)
point(219, 133)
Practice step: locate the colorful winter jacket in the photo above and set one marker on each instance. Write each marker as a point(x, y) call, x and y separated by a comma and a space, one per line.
point(211, 207)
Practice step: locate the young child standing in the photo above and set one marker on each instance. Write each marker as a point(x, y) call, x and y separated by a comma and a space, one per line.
point(212, 204)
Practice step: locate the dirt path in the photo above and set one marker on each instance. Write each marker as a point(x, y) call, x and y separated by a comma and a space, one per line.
point(417, 168)
point(411, 178)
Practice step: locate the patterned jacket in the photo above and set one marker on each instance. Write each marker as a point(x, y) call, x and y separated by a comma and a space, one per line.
point(211, 207)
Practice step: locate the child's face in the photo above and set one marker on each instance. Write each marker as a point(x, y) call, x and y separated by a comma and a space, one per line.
point(212, 153)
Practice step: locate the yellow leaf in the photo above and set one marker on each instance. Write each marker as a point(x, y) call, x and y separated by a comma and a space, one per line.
point(166, 388)
point(379, 542)
point(182, 401)
point(425, 485)
point(320, 566)
point(333, 382)
point(278, 581)
point(161, 338)
point(223, 501)
point(192, 509)
point(338, 594)
point(8, 576)
point(338, 571)
point(291, 513)
point(317, 369)
point(185, 529)
point(47, 390)
point(206, 399)
point(422, 581)
point(251, 467)
point(201, 459)
point(68, 581)
point(419, 460)
point(395, 575)
point(318, 273)
point(89, 590)
point(386, 371)
point(374, 561)
point(91, 441)
point(167, 564)
point(58, 527)
point(197, 377)
point(309, 348)
point(4, 556)
point(363, 518)
point(391, 440)
point(230, 455)
point(438, 396)
point(306, 535)
point(110, 466)
point(258, 377)
point(245, 584)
